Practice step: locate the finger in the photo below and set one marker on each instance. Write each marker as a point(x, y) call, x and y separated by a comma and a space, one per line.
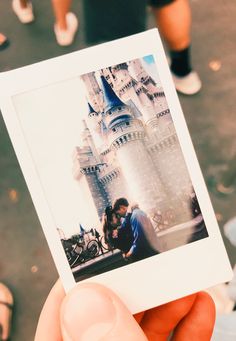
point(48, 328)
point(157, 323)
point(138, 317)
point(93, 312)
point(198, 324)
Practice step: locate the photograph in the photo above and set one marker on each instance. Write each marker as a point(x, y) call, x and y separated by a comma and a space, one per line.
point(115, 159)
point(106, 154)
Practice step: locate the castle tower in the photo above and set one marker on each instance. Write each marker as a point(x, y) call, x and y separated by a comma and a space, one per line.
point(87, 164)
point(141, 75)
point(89, 142)
point(123, 84)
point(126, 136)
point(154, 93)
point(109, 76)
point(94, 123)
point(93, 90)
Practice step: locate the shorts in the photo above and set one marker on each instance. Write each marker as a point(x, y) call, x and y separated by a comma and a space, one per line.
point(159, 3)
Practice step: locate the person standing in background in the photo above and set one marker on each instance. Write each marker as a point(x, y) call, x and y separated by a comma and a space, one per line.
point(66, 23)
point(173, 19)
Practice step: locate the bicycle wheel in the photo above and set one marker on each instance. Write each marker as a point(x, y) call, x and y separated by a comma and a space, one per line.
point(93, 248)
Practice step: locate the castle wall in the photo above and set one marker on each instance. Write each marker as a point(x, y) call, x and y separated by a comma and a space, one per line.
point(115, 186)
point(100, 197)
point(168, 159)
point(139, 172)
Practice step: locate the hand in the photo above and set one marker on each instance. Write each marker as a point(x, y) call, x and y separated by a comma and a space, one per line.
point(91, 312)
point(128, 254)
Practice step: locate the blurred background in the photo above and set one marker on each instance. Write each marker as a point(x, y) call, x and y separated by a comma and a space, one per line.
point(26, 265)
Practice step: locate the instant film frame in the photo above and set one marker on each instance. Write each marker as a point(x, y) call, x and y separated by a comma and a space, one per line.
point(151, 281)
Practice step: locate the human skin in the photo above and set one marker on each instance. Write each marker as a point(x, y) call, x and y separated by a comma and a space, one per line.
point(174, 23)
point(91, 312)
point(60, 8)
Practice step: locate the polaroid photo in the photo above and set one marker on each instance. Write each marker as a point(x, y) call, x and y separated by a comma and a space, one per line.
point(105, 151)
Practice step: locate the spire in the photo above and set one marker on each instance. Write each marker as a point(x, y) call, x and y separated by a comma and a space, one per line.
point(91, 111)
point(110, 98)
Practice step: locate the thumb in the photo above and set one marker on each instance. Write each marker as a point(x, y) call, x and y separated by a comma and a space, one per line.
point(91, 312)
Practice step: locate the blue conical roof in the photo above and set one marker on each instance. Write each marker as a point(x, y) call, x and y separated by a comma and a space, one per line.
point(90, 109)
point(110, 98)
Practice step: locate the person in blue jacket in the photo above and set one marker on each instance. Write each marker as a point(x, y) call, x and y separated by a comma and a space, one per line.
point(144, 236)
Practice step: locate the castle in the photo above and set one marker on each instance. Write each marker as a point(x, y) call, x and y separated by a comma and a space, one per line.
point(130, 147)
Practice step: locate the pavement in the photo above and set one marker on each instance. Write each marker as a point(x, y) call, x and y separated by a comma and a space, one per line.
point(25, 261)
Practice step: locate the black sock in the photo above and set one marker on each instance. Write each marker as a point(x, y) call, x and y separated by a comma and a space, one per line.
point(180, 62)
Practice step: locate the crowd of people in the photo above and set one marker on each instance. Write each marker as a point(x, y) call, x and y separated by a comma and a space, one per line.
point(173, 19)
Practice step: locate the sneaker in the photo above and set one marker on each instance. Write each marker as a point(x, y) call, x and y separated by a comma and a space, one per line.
point(66, 37)
point(188, 85)
point(24, 14)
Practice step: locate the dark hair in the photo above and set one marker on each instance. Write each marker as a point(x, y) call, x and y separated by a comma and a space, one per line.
point(106, 224)
point(120, 202)
point(109, 212)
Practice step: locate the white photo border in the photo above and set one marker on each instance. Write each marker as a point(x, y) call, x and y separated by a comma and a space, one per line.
point(179, 272)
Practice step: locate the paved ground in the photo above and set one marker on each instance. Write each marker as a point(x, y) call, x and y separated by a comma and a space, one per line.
point(25, 262)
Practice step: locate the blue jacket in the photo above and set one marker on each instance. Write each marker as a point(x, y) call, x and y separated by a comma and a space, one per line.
point(143, 231)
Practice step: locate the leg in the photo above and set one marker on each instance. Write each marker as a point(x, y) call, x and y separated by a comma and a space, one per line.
point(61, 8)
point(24, 3)
point(173, 19)
point(23, 10)
point(66, 22)
point(174, 22)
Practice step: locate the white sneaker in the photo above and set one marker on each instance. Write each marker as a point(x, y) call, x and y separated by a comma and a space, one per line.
point(25, 15)
point(188, 85)
point(66, 37)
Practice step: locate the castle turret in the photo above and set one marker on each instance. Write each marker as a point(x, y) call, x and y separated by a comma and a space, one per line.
point(148, 91)
point(93, 90)
point(87, 163)
point(126, 135)
point(94, 123)
point(91, 111)
point(141, 75)
point(88, 141)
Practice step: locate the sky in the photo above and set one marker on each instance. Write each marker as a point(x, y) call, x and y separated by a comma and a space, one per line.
point(51, 119)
